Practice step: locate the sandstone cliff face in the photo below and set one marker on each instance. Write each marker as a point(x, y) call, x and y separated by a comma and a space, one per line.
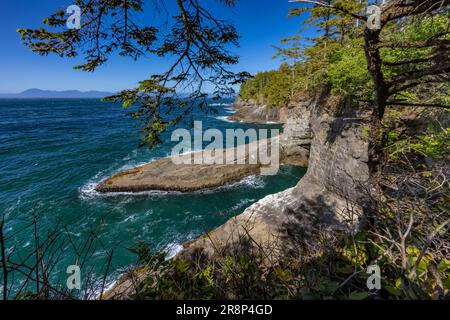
point(296, 118)
point(331, 195)
point(251, 112)
point(339, 151)
point(296, 139)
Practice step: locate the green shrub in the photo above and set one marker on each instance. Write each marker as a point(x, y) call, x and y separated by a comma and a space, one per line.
point(434, 144)
point(348, 75)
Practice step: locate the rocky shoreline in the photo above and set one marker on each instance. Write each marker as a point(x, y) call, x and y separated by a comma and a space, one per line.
point(165, 175)
point(323, 133)
point(331, 195)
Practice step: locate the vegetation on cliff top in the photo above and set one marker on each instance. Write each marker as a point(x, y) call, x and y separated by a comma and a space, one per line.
point(415, 69)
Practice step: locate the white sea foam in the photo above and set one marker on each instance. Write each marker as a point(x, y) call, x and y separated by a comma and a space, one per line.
point(225, 118)
point(255, 182)
point(131, 156)
point(110, 283)
point(230, 110)
point(112, 280)
point(241, 204)
point(27, 244)
point(173, 249)
point(131, 218)
point(220, 104)
point(87, 191)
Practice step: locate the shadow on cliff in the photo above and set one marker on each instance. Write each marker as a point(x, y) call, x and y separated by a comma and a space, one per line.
point(309, 225)
point(344, 119)
point(255, 269)
point(306, 224)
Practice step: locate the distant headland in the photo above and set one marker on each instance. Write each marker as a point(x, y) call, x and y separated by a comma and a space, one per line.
point(48, 94)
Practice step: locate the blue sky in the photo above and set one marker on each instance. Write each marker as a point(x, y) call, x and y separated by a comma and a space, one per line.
point(261, 24)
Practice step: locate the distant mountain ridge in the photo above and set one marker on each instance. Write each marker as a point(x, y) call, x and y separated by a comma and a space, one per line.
point(38, 93)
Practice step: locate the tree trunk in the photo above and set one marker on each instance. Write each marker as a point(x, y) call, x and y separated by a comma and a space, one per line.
point(374, 63)
point(377, 141)
point(381, 95)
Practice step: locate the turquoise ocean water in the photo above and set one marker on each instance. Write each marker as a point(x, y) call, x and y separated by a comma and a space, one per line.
point(54, 152)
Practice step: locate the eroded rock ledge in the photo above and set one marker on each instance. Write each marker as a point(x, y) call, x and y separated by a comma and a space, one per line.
point(165, 175)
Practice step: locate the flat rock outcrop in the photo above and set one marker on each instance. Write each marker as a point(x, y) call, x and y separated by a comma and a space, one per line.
point(185, 176)
point(166, 176)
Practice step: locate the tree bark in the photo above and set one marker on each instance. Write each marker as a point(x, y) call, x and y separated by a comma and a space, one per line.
point(374, 64)
point(381, 96)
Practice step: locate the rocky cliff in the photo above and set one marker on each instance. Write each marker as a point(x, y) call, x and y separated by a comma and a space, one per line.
point(331, 195)
point(251, 112)
point(296, 139)
point(295, 117)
